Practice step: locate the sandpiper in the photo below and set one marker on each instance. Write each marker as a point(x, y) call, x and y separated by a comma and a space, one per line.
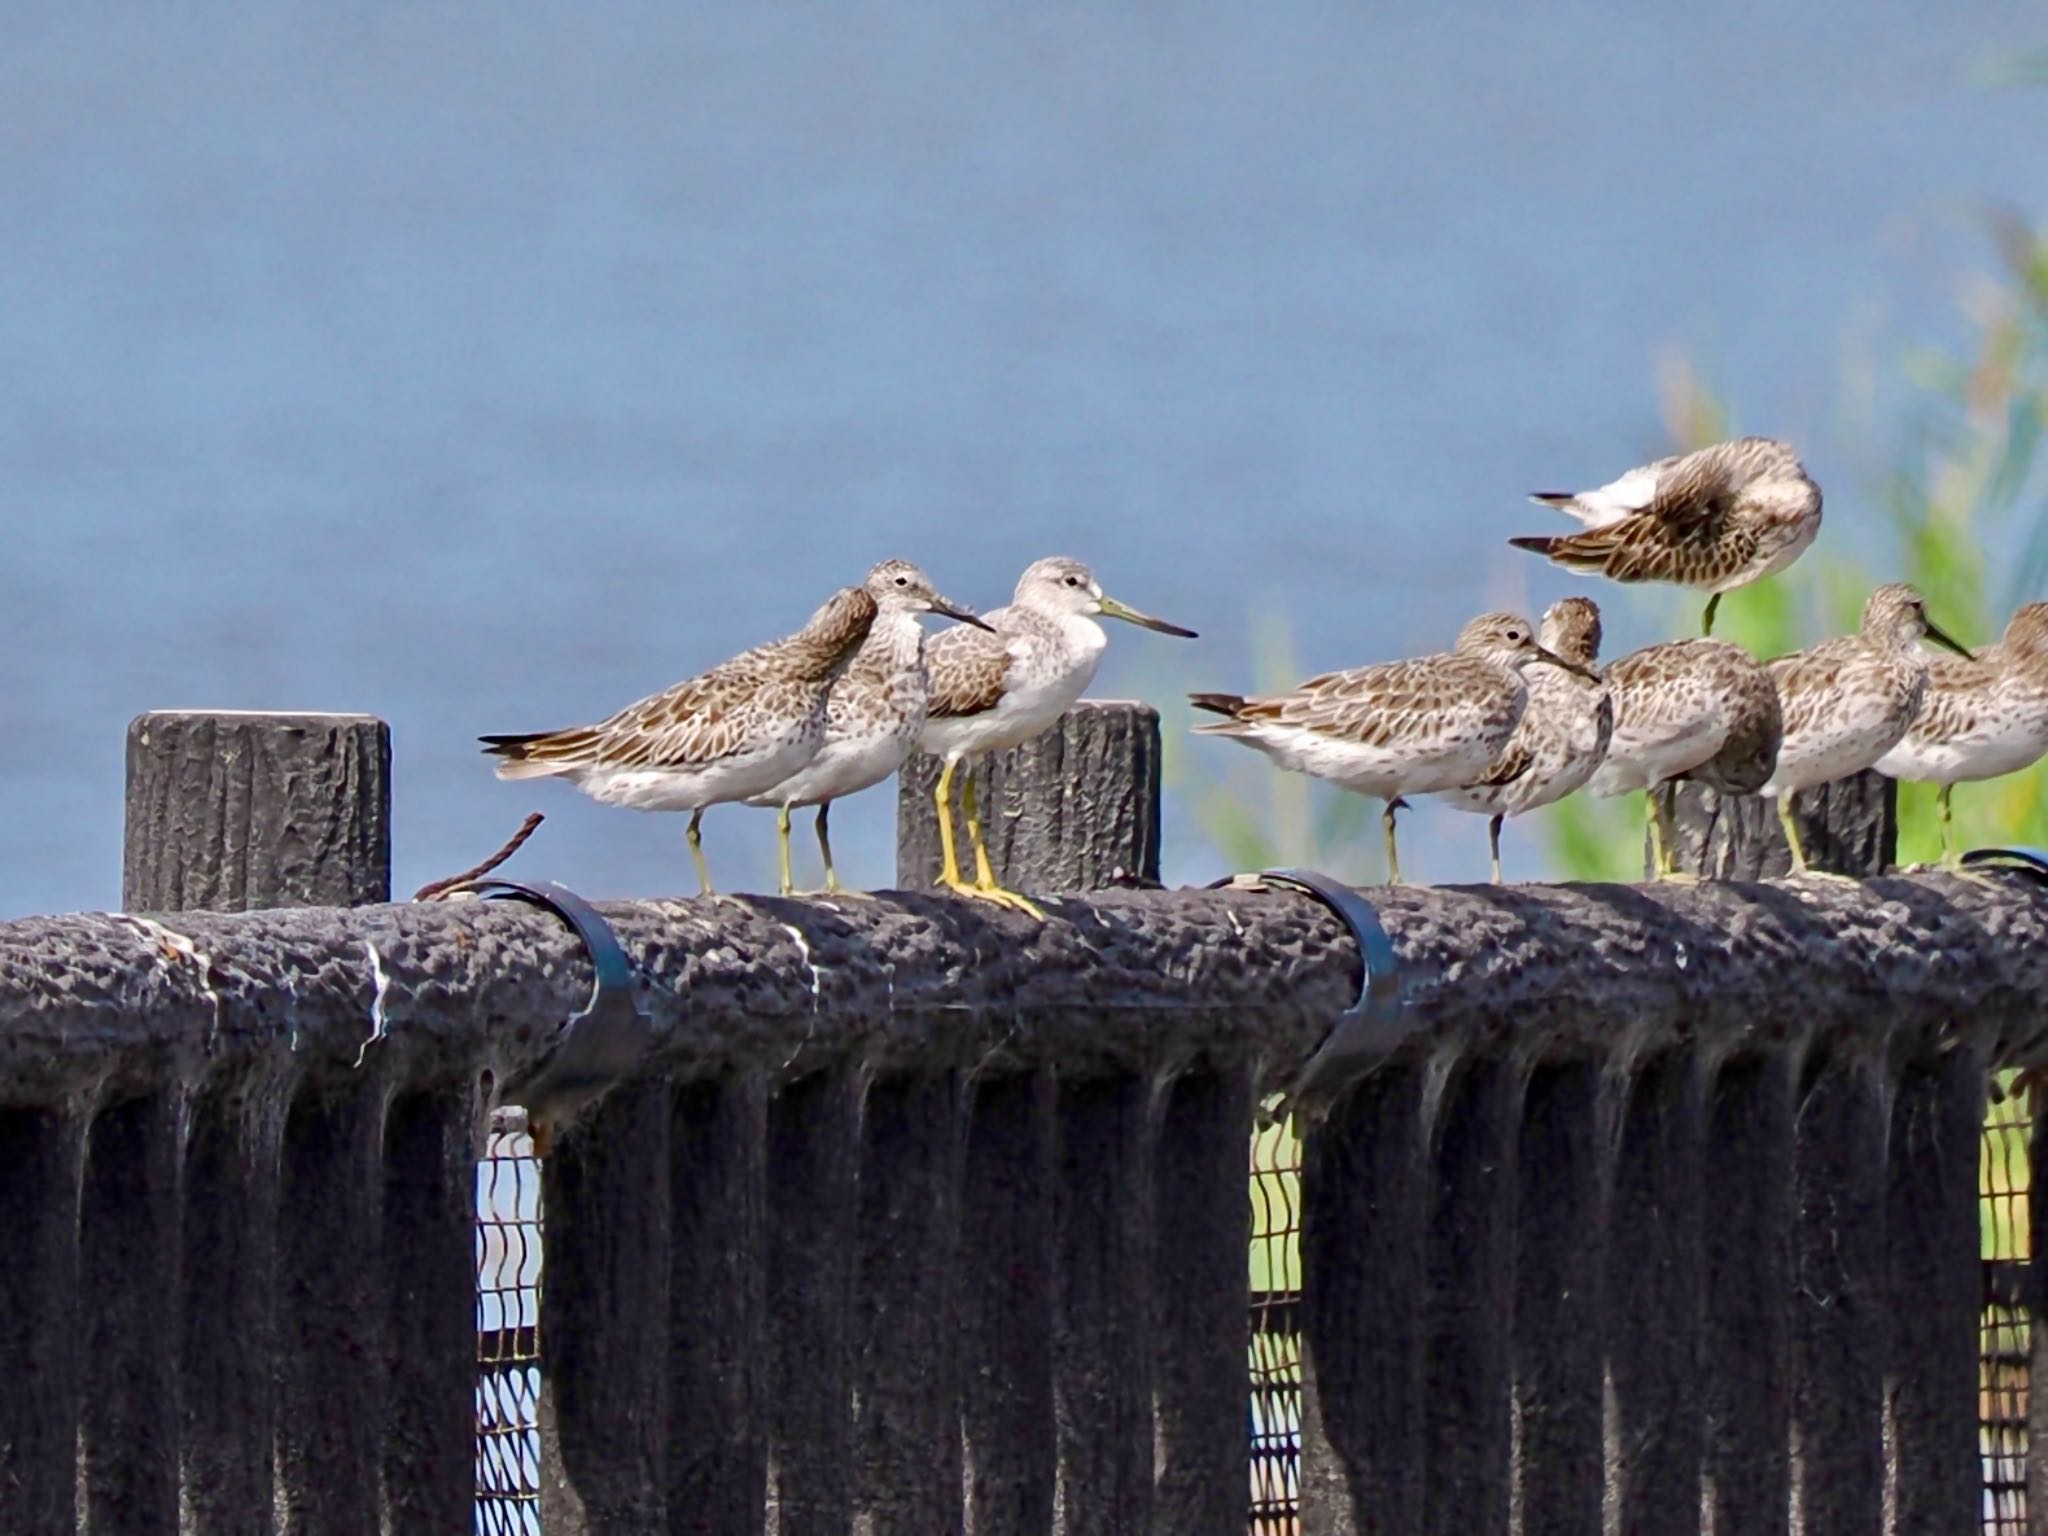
point(735, 731)
point(1716, 519)
point(1703, 710)
point(1402, 727)
point(1980, 719)
point(1562, 735)
point(1001, 688)
point(1850, 700)
point(875, 712)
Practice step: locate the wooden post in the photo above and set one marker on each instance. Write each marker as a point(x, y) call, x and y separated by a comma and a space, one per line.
point(41, 1154)
point(1849, 827)
point(1056, 1297)
point(225, 811)
point(231, 811)
point(1076, 809)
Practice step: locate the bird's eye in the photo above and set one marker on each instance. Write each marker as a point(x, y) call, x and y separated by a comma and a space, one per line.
point(902, 581)
point(1514, 634)
point(1073, 581)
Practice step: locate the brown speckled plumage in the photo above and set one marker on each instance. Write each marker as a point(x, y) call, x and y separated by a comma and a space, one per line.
point(1716, 519)
point(1691, 709)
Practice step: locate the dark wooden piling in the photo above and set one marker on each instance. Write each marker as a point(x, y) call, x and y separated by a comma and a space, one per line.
point(41, 1153)
point(605, 1313)
point(231, 811)
point(228, 1305)
point(331, 1319)
point(1558, 1355)
point(1364, 1245)
point(1201, 1297)
point(1849, 827)
point(1840, 1317)
point(813, 1194)
point(718, 1315)
point(128, 1275)
point(1746, 1358)
point(1007, 1307)
point(1652, 1295)
point(1076, 809)
point(1936, 1293)
point(430, 1280)
point(1467, 1392)
point(907, 1316)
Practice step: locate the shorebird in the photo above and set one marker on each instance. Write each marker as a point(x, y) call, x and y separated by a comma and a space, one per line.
point(1716, 519)
point(875, 712)
point(999, 689)
point(1850, 700)
point(1400, 728)
point(739, 729)
point(1980, 719)
point(1563, 732)
point(1703, 710)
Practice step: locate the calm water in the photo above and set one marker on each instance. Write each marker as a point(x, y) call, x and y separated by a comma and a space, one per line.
point(487, 369)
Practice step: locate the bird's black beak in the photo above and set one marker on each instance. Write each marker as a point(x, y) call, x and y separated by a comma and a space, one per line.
point(1941, 636)
point(955, 611)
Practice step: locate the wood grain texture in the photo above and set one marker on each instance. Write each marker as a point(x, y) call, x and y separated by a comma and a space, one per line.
point(230, 811)
point(1849, 827)
point(1075, 809)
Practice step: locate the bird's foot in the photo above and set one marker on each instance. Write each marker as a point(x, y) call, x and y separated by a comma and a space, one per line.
point(994, 894)
point(1675, 877)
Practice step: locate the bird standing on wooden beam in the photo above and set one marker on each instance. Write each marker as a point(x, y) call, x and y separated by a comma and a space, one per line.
point(1849, 701)
point(735, 731)
point(1716, 519)
point(1000, 688)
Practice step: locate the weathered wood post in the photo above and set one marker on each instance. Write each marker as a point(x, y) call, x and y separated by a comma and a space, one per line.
point(1841, 1302)
point(1076, 809)
point(1076, 1192)
point(1849, 827)
point(268, 1251)
point(234, 811)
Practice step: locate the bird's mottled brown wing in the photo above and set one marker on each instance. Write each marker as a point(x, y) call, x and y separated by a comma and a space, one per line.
point(966, 667)
point(1809, 682)
point(1397, 700)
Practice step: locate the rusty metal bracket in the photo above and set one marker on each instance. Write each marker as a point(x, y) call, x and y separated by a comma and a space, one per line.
point(2031, 862)
point(604, 1040)
point(1371, 1029)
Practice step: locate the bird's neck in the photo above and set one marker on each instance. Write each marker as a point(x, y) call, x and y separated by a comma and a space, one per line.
point(894, 647)
point(823, 648)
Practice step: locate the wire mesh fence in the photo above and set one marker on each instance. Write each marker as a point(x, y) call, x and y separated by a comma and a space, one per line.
point(508, 1254)
point(2004, 1353)
point(1275, 1358)
point(508, 1276)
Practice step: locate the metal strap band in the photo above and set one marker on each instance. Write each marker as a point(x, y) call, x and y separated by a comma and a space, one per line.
point(2032, 862)
point(605, 1039)
point(1371, 1029)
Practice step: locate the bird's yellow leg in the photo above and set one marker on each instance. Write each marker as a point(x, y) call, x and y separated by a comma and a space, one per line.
point(1791, 825)
point(696, 841)
point(949, 862)
point(1950, 858)
point(782, 848)
point(985, 885)
point(1493, 842)
point(825, 850)
point(1713, 603)
point(1393, 852)
point(1664, 833)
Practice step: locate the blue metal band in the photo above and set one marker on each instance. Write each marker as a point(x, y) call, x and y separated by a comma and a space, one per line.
point(1371, 1029)
point(604, 1040)
point(2032, 862)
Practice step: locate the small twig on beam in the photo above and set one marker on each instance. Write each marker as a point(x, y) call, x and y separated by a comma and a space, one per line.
point(439, 888)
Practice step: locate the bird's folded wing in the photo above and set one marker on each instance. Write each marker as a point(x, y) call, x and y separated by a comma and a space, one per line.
point(966, 668)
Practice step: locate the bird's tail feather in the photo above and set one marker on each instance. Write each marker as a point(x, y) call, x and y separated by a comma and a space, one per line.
point(528, 755)
point(1218, 704)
